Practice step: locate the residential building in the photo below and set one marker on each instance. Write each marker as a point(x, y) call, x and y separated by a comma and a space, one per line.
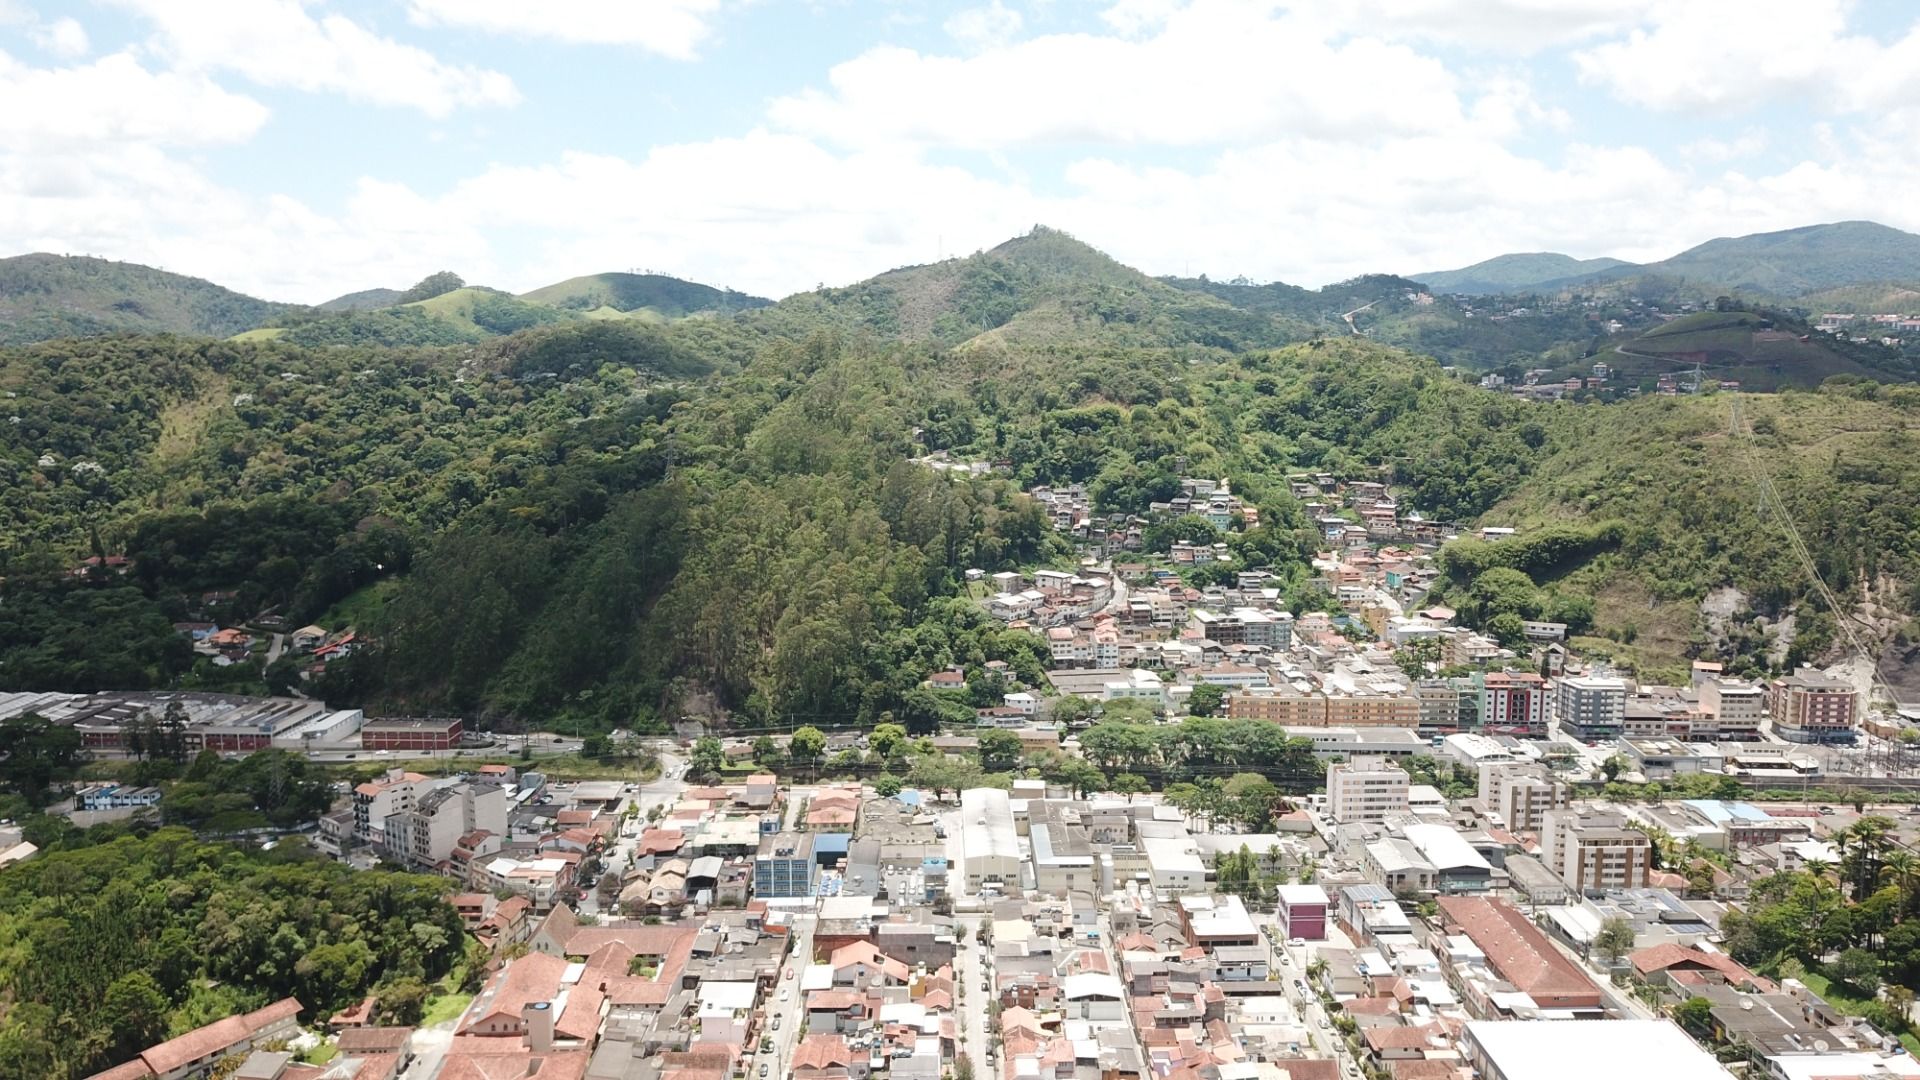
point(1518, 794)
point(1366, 789)
point(1595, 851)
point(1590, 707)
point(1514, 703)
point(1809, 707)
point(784, 867)
point(1737, 707)
point(375, 801)
point(427, 833)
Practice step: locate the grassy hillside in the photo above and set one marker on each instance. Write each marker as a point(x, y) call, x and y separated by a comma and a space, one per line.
point(1760, 350)
point(51, 296)
point(666, 297)
point(1517, 273)
point(364, 300)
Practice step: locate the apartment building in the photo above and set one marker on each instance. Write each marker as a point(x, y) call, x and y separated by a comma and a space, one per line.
point(427, 833)
point(1514, 703)
point(375, 801)
point(1737, 708)
point(1366, 789)
point(1594, 851)
point(1520, 794)
point(1809, 707)
point(1590, 707)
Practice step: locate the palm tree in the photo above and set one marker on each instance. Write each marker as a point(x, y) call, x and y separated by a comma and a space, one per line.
point(1902, 869)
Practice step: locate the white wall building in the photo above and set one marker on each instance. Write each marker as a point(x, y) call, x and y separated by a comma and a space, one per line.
point(1366, 789)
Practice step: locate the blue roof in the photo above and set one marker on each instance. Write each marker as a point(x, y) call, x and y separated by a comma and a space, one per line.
point(832, 841)
point(910, 796)
point(932, 861)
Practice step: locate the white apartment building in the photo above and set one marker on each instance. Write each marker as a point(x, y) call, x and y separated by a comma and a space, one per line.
point(1590, 707)
point(1366, 789)
point(1520, 794)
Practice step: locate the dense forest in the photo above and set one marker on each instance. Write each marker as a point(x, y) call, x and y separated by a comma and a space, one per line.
point(609, 522)
point(109, 947)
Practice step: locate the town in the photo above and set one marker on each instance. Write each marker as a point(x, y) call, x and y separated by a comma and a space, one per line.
point(1383, 844)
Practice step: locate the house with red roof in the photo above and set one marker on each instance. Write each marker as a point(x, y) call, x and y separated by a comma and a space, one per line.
point(861, 964)
point(1686, 968)
point(200, 1048)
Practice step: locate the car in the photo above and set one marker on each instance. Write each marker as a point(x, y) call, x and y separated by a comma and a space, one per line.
point(776, 1021)
point(1826, 810)
point(786, 993)
point(986, 987)
point(1287, 960)
point(1296, 943)
point(1323, 1024)
point(763, 1068)
point(789, 973)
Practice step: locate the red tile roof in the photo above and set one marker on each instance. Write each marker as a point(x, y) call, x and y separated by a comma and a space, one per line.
point(822, 1052)
point(200, 1042)
point(1519, 952)
point(533, 977)
point(1669, 955)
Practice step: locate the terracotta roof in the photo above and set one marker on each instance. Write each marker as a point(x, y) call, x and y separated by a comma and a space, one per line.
point(1310, 1069)
point(836, 1000)
point(1669, 955)
point(1426, 1037)
point(515, 1065)
point(374, 1040)
point(1518, 951)
point(533, 977)
point(131, 1070)
point(198, 1043)
point(865, 952)
point(822, 1052)
point(582, 1018)
point(1424, 1069)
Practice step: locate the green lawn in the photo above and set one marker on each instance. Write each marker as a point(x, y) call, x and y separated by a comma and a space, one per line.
point(444, 1007)
point(1823, 986)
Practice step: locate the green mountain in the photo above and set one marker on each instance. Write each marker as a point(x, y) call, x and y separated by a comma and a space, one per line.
point(615, 522)
point(652, 295)
point(364, 300)
point(52, 296)
point(1797, 261)
point(1036, 291)
point(1518, 273)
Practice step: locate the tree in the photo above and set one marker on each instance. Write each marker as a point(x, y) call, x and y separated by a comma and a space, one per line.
point(596, 747)
point(402, 1002)
point(998, 750)
point(1131, 784)
point(1614, 940)
point(708, 757)
point(806, 744)
point(1249, 799)
point(766, 752)
point(1206, 698)
point(887, 739)
point(1695, 1016)
point(962, 1067)
point(438, 284)
point(887, 786)
point(1613, 767)
point(135, 1011)
point(1070, 710)
point(1858, 968)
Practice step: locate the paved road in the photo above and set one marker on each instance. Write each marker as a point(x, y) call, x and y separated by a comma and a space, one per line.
point(663, 790)
point(1322, 1038)
point(790, 1011)
point(972, 966)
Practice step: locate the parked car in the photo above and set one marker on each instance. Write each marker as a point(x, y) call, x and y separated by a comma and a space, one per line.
point(776, 1021)
point(763, 1069)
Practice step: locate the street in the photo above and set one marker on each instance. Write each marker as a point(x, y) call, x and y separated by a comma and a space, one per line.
point(792, 1011)
point(663, 791)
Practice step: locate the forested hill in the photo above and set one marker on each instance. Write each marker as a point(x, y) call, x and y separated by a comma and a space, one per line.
point(620, 522)
point(52, 296)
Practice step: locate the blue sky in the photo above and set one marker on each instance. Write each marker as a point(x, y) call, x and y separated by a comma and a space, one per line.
point(297, 149)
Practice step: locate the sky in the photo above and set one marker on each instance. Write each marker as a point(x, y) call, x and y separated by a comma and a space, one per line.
point(299, 149)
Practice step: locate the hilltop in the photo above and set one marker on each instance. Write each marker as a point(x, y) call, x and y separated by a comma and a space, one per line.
point(1761, 350)
point(1517, 273)
point(647, 295)
point(364, 300)
point(1036, 290)
point(49, 296)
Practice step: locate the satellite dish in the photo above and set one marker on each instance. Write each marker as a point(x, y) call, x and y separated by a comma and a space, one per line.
point(1819, 1046)
point(1746, 1004)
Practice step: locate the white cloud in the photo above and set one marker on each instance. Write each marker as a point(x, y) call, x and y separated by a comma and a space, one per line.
point(1723, 55)
point(672, 28)
point(1215, 73)
point(64, 38)
point(278, 43)
point(1522, 26)
point(115, 100)
point(984, 27)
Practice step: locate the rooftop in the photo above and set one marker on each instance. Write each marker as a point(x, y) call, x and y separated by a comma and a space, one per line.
point(1591, 1050)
